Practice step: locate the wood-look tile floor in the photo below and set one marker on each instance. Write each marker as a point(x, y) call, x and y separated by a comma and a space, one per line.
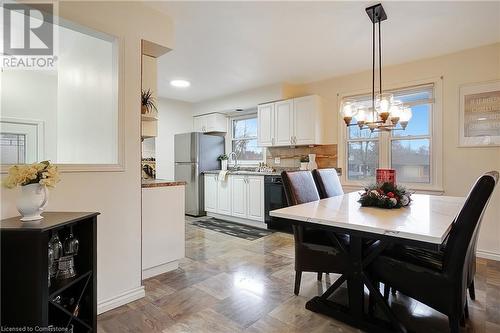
point(228, 284)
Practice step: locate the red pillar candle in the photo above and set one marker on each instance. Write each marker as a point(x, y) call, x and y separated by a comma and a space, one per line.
point(386, 176)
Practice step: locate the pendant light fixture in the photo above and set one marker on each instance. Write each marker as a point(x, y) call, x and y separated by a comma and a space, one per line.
point(385, 112)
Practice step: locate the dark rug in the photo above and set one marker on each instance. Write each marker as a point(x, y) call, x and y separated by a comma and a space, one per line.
point(232, 229)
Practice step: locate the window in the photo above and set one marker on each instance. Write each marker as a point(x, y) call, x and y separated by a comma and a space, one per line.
point(244, 139)
point(408, 151)
point(13, 148)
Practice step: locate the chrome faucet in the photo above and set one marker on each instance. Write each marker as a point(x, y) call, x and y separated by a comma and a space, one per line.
point(235, 159)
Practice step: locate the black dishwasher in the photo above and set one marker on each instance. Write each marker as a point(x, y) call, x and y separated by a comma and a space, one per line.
point(275, 198)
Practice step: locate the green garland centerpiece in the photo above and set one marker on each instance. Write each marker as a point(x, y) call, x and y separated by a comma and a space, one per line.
point(385, 195)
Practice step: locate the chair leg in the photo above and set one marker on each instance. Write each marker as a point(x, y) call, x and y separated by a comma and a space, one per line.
point(472, 291)
point(298, 276)
point(454, 322)
point(387, 290)
point(371, 300)
point(466, 310)
point(320, 276)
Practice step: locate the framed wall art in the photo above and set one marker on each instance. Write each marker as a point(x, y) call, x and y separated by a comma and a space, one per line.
point(480, 114)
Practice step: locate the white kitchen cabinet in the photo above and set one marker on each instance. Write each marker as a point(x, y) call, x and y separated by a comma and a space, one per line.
point(213, 122)
point(283, 133)
point(298, 121)
point(265, 129)
point(239, 196)
point(224, 197)
point(255, 200)
point(210, 192)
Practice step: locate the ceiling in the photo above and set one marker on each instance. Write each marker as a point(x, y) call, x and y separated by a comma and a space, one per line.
point(227, 47)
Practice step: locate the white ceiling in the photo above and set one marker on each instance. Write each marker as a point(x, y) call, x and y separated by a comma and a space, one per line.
point(226, 47)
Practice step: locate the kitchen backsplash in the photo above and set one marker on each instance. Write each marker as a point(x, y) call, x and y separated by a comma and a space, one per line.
point(326, 156)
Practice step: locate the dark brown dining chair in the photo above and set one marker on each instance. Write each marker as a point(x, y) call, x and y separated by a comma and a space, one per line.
point(327, 182)
point(440, 279)
point(315, 250)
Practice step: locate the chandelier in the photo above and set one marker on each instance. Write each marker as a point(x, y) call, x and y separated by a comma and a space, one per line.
point(385, 112)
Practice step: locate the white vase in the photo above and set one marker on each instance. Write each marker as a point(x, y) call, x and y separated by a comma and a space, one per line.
point(32, 201)
point(223, 164)
point(312, 162)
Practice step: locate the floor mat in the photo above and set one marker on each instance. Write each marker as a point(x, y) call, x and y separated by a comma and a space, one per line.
point(232, 229)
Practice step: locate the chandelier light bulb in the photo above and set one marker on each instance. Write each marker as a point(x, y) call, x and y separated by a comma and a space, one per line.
point(395, 111)
point(383, 104)
point(348, 110)
point(405, 116)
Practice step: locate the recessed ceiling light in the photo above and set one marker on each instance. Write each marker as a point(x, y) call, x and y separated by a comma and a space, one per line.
point(481, 119)
point(180, 83)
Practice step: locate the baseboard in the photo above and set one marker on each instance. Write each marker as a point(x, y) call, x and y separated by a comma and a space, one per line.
point(160, 269)
point(488, 255)
point(124, 298)
point(251, 223)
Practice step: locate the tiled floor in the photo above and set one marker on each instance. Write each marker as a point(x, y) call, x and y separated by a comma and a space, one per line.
point(228, 284)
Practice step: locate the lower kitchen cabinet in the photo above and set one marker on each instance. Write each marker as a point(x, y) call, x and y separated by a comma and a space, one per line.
point(210, 193)
point(224, 197)
point(240, 196)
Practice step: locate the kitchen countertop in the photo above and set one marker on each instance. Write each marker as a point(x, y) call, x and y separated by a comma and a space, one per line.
point(160, 183)
point(245, 172)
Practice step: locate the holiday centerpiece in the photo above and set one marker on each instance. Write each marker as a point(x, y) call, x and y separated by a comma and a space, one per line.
point(385, 193)
point(34, 180)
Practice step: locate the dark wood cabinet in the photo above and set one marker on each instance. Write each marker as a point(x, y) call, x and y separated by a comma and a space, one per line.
point(27, 300)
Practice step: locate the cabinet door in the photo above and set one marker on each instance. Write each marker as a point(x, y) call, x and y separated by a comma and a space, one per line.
point(239, 196)
point(283, 123)
point(304, 112)
point(224, 197)
point(265, 128)
point(198, 124)
point(256, 198)
point(210, 193)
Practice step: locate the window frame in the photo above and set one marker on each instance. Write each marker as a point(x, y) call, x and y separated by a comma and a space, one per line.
point(385, 139)
point(229, 147)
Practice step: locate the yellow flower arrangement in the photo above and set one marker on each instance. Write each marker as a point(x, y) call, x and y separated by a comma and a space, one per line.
point(42, 173)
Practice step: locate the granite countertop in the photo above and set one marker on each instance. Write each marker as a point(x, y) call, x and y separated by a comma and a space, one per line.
point(161, 183)
point(245, 172)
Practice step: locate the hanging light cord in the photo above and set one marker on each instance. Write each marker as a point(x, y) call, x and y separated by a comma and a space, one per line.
point(373, 63)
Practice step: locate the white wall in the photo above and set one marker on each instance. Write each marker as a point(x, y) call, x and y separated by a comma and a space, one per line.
point(174, 117)
point(117, 195)
point(461, 166)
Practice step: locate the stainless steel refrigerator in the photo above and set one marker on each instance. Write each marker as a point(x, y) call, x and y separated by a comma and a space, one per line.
point(195, 153)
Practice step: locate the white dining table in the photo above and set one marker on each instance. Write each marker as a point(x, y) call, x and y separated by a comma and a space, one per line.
point(425, 223)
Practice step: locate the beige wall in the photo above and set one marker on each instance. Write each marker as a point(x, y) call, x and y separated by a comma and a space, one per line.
point(117, 195)
point(461, 166)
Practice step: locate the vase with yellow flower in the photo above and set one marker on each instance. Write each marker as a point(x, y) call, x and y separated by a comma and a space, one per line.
point(34, 180)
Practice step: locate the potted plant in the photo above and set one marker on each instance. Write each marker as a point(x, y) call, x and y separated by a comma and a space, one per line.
point(34, 180)
point(147, 102)
point(223, 161)
point(304, 162)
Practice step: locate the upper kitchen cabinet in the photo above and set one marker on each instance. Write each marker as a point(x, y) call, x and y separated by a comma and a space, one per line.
point(213, 122)
point(297, 121)
point(265, 128)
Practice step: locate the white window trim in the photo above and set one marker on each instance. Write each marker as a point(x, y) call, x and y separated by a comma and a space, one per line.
point(229, 142)
point(436, 158)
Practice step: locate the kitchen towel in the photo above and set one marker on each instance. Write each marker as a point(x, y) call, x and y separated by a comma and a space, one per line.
point(222, 176)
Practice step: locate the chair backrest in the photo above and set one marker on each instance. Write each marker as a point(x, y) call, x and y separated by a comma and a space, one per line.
point(462, 240)
point(327, 182)
point(299, 187)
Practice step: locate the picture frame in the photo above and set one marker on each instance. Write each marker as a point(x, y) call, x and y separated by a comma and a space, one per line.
point(480, 115)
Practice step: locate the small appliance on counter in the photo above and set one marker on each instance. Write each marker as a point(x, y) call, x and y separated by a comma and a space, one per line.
point(195, 153)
